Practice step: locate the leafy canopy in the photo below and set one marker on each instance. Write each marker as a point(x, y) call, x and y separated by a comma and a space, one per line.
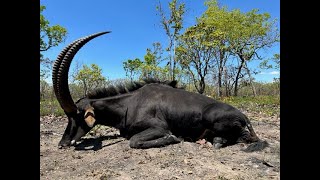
point(50, 36)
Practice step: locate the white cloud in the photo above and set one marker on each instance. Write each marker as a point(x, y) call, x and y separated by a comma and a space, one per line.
point(274, 72)
point(270, 73)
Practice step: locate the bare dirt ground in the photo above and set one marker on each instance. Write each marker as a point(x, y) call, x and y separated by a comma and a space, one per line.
point(103, 155)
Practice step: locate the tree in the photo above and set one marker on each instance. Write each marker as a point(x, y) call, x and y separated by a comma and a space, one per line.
point(216, 19)
point(50, 36)
point(276, 59)
point(256, 33)
point(44, 86)
point(229, 73)
point(244, 33)
point(172, 25)
point(132, 67)
point(90, 78)
point(195, 53)
point(149, 67)
point(265, 65)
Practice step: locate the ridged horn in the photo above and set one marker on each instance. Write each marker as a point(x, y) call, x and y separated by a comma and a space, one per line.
point(61, 70)
point(56, 67)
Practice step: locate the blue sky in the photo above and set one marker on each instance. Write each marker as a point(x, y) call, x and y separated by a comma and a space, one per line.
point(135, 25)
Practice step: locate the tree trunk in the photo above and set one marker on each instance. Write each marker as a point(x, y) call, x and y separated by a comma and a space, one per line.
point(220, 84)
point(173, 70)
point(220, 70)
point(226, 82)
point(202, 86)
point(238, 75)
point(174, 62)
point(84, 88)
point(251, 81)
point(170, 66)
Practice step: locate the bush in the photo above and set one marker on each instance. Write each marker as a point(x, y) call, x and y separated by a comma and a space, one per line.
point(269, 105)
point(50, 107)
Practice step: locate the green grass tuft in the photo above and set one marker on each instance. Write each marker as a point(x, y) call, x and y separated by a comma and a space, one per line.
point(269, 105)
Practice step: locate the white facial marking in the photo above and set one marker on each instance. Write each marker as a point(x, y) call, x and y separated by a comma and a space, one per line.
point(90, 120)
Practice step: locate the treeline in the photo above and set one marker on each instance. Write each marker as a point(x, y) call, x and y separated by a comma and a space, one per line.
point(216, 52)
point(79, 89)
point(49, 104)
point(212, 57)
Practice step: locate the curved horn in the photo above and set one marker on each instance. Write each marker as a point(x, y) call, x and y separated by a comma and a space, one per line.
point(61, 70)
point(56, 67)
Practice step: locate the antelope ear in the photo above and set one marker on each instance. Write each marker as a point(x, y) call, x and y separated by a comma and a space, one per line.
point(89, 117)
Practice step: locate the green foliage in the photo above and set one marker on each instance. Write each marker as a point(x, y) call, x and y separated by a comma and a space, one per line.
point(172, 24)
point(195, 53)
point(276, 59)
point(204, 54)
point(261, 89)
point(149, 58)
point(44, 88)
point(132, 67)
point(50, 107)
point(149, 67)
point(262, 100)
point(267, 101)
point(268, 105)
point(76, 90)
point(90, 77)
point(50, 36)
point(240, 34)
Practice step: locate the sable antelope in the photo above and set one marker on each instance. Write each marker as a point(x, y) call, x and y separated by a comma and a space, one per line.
point(150, 114)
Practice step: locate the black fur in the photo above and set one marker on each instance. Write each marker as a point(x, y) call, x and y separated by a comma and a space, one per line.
point(153, 114)
point(156, 114)
point(123, 88)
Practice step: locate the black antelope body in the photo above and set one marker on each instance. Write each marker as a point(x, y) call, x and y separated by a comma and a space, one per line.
point(150, 113)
